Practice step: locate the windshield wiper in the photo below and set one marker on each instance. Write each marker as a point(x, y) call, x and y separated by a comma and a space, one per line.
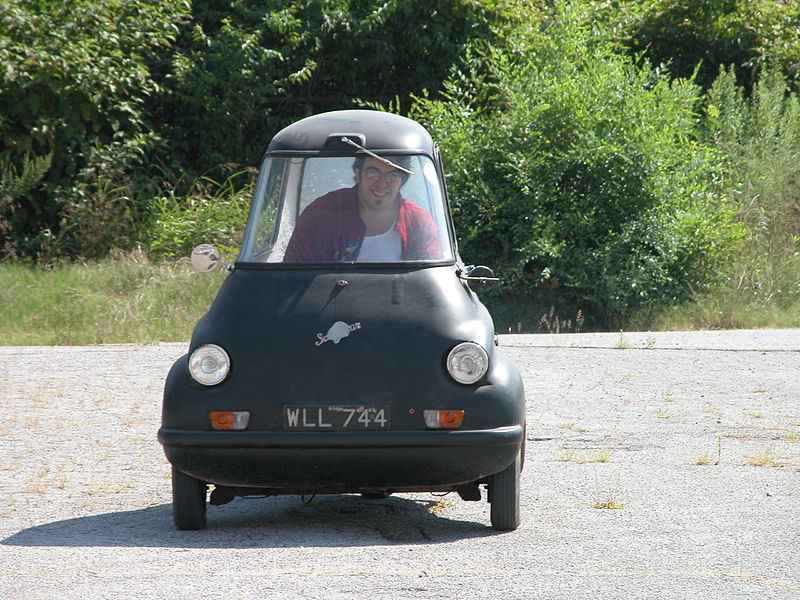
point(373, 155)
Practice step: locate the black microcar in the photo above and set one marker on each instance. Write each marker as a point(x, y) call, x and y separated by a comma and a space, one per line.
point(347, 350)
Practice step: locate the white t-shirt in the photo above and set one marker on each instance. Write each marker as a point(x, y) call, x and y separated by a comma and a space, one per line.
point(385, 247)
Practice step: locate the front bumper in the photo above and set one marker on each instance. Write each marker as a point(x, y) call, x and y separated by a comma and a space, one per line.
point(342, 461)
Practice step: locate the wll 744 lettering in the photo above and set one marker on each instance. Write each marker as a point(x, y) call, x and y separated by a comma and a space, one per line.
point(336, 417)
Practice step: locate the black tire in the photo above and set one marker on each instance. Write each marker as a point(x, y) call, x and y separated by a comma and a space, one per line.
point(504, 497)
point(188, 501)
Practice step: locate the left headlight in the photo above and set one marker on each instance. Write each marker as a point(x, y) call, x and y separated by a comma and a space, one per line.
point(209, 364)
point(467, 362)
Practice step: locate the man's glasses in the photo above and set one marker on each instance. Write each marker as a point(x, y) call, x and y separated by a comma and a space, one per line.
point(374, 174)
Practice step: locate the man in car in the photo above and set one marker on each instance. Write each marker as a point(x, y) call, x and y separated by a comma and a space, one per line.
point(370, 221)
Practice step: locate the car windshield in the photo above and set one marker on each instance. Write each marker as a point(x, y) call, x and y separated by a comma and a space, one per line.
point(346, 209)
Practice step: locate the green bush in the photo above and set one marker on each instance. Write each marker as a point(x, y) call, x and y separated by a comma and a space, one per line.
point(14, 183)
point(77, 82)
point(210, 212)
point(579, 178)
point(242, 70)
point(759, 138)
point(129, 95)
point(703, 35)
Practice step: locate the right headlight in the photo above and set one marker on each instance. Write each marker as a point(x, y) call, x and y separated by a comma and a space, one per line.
point(467, 362)
point(209, 364)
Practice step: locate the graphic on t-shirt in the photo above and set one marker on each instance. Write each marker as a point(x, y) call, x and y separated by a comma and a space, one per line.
point(348, 251)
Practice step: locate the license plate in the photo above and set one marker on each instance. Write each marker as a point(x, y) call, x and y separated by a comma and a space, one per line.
point(348, 417)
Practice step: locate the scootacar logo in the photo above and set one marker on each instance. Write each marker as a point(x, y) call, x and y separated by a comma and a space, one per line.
point(337, 332)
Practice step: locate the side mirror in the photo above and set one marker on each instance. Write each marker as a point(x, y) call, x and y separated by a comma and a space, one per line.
point(206, 259)
point(480, 279)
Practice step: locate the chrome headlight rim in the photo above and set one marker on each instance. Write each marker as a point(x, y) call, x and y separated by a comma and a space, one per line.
point(467, 363)
point(209, 364)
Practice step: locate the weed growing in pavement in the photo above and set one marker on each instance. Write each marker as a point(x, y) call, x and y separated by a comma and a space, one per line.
point(582, 457)
point(764, 459)
point(755, 414)
point(104, 402)
point(440, 506)
point(662, 414)
point(598, 456)
point(564, 455)
point(707, 459)
point(609, 504)
point(572, 427)
point(621, 343)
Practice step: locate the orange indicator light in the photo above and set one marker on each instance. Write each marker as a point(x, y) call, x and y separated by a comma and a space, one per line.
point(443, 419)
point(226, 420)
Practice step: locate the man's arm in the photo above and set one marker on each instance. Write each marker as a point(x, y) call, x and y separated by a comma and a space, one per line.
point(421, 233)
point(300, 246)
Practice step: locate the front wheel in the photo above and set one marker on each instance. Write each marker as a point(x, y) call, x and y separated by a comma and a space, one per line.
point(504, 497)
point(188, 501)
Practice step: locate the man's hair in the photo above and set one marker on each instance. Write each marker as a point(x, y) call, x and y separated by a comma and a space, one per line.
point(401, 161)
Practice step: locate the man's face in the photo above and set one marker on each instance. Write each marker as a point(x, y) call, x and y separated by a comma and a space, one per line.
point(378, 185)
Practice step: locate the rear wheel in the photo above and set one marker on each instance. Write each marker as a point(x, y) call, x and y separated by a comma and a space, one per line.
point(188, 501)
point(504, 497)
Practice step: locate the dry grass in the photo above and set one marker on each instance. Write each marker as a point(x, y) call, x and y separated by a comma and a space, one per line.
point(790, 434)
point(582, 457)
point(609, 504)
point(765, 458)
point(573, 427)
point(708, 458)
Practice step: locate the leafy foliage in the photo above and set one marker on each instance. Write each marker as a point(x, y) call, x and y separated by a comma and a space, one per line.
point(585, 164)
point(13, 184)
point(130, 94)
point(242, 70)
point(212, 212)
point(759, 137)
point(579, 177)
point(77, 83)
point(704, 35)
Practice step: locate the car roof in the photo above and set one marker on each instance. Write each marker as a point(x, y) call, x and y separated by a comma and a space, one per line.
point(373, 130)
